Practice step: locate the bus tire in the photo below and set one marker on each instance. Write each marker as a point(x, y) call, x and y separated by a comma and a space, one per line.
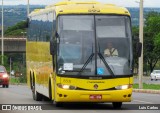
point(46, 98)
point(58, 104)
point(36, 96)
point(117, 105)
point(31, 82)
point(50, 90)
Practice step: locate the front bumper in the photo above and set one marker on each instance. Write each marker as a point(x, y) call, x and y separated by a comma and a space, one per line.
point(84, 96)
point(4, 81)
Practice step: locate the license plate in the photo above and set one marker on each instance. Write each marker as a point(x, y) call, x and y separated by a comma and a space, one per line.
point(95, 97)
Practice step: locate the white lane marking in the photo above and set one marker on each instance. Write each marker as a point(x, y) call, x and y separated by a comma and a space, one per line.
point(143, 101)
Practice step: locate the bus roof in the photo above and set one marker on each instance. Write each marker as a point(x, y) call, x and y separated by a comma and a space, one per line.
point(82, 7)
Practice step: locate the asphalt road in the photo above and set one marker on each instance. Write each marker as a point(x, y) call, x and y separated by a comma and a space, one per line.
point(17, 94)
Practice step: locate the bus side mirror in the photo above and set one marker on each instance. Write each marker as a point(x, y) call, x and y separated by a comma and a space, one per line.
point(27, 23)
point(53, 43)
point(52, 47)
point(139, 49)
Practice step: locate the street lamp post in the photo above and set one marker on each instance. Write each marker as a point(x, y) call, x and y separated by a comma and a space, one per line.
point(141, 40)
point(2, 51)
point(28, 8)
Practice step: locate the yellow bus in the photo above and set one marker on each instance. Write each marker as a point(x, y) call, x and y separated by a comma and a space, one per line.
point(65, 53)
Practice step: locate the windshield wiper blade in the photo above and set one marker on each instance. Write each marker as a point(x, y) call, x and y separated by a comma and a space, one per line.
point(86, 63)
point(105, 63)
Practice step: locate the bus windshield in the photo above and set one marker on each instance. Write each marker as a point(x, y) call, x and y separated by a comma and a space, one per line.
point(94, 45)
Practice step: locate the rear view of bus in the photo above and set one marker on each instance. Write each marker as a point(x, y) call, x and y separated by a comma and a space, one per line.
point(82, 70)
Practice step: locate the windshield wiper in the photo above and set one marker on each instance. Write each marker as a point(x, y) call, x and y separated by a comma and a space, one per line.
point(87, 62)
point(105, 63)
point(101, 57)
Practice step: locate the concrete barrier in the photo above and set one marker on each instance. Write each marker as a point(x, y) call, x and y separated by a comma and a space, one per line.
point(146, 91)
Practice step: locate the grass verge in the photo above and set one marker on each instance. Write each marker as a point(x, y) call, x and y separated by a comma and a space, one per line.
point(14, 80)
point(148, 86)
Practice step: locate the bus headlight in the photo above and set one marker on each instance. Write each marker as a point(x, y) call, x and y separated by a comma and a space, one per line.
point(64, 86)
point(122, 87)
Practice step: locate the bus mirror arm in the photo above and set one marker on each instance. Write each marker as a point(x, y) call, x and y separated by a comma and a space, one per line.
point(51, 47)
point(139, 49)
point(27, 23)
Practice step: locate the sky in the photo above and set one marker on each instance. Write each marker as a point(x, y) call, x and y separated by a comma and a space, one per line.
point(125, 3)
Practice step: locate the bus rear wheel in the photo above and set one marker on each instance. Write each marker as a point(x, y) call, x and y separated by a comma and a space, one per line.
point(117, 105)
point(36, 96)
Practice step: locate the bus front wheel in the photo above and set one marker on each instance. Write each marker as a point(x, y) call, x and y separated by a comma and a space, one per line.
point(117, 105)
point(58, 104)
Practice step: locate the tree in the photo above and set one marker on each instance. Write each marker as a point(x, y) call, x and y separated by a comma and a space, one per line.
point(16, 30)
point(152, 28)
point(5, 60)
point(135, 32)
point(157, 41)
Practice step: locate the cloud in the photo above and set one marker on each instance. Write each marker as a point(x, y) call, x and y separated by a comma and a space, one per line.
point(127, 3)
point(17, 2)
